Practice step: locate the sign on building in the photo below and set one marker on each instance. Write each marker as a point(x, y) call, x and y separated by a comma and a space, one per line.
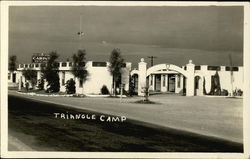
point(40, 58)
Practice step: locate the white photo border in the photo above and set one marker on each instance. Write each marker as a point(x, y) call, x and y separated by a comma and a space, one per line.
point(4, 84)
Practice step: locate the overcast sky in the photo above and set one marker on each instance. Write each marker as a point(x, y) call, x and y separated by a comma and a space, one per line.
point(207, 35)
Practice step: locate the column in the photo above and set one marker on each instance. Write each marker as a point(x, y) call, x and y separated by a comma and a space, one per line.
point(181, 81)
point(176, 84)
point(39, 75)
point(166, 82)
point(163, 83)
point(190, 79)
point(142, 76)
point(60, 80)
point(11, 77)
point(206, 77)
point(149, 82)
point(153, 82)
point(20, 81)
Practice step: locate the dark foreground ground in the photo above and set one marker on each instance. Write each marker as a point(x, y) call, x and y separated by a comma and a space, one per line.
point(34, 124)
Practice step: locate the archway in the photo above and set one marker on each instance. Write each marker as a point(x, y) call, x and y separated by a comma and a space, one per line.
point(143, 73)
point(167, 78)
point(134, 78)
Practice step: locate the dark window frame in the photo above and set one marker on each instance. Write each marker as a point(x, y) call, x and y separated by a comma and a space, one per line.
point(99, 64)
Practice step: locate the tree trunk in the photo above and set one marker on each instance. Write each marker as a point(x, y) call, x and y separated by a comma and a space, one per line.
point(114, 88)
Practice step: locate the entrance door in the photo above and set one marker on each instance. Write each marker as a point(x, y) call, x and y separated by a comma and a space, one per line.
point(171, 83)
point(14, 78)
point(157, 82)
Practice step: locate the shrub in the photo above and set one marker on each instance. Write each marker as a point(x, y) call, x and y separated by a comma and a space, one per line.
point(104, 90)
point(237, 92)
point(27, 86)
point(240, 92)
point(70, 86)
point(224, 92)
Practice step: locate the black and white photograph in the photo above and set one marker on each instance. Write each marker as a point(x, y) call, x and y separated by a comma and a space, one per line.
point(125, 79)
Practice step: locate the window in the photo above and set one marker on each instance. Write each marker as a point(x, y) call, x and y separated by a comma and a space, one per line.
point(64, 64)
point(8, 76)
point(197, 67)
point(21, 65)
point(37, 65)
point(213, 68)
point(26, 65)
point(99, 64)
point(228, 68)
point(70, 64)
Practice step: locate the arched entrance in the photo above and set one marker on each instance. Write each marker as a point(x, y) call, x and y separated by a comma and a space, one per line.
point(134, 78)
point(185, 76)
point(167, 78)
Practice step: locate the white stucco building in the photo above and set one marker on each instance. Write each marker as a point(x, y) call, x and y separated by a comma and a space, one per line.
point(98, 75)
point(189, 78)
point(167, 78)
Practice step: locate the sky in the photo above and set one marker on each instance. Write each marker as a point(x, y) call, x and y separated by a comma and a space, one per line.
point(205, 34)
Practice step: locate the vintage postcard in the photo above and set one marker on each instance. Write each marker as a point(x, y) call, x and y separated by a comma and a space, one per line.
point(125, 79)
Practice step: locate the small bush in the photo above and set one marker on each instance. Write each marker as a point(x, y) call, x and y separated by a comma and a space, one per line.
point(240, 92)
point(27, 86)
point(224, 92)
point(104, 90)
point(70, 86)
point(237, 92)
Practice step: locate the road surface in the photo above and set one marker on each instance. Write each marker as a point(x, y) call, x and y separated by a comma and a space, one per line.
point(34, 127)
point(216, 117)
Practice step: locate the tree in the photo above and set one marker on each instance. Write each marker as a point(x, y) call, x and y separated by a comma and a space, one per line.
point(31, 76)
point(104, 90)
point(116, 62)
point(215, 85)
point(78, 69)
point(12, 63)
point(50, 73)
point(131, 86)
point(40, 84)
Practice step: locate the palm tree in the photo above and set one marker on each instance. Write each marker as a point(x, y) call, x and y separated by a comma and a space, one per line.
point(12, 63)
point(78, 69)
point(116, 62)
point(50, 73)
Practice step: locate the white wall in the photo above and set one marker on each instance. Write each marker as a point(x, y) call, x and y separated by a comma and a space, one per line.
point(225, 78)
point(97, 77)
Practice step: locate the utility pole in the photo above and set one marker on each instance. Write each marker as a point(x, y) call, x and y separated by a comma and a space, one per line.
point(231, 73)
point(152, 59)
point(80, 33)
